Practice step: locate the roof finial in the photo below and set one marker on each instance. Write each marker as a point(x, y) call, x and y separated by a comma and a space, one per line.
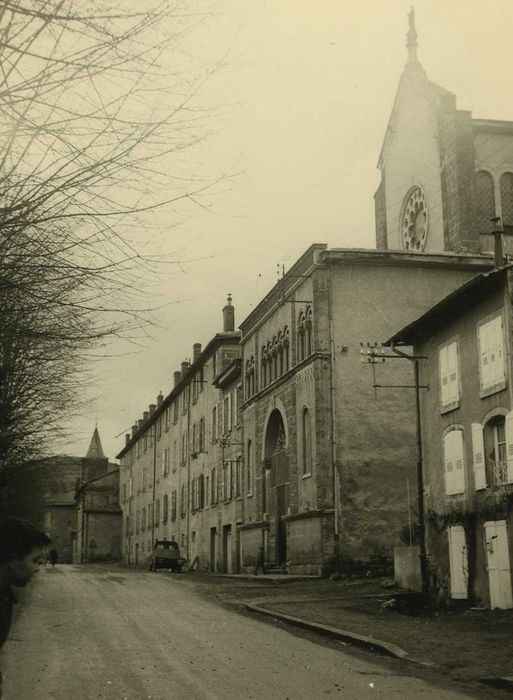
point(411, 38)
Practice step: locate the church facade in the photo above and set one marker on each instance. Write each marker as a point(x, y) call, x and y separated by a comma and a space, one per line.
point(444, 173)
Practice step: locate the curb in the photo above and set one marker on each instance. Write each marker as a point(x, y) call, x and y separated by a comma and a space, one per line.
point(387, 648)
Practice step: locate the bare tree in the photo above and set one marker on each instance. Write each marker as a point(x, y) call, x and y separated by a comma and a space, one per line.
point(93, 125)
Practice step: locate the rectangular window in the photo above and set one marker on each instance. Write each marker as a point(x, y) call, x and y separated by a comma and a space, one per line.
point(202, 435)
point(449, 376)
point(238, 476)
point(157, 511)
point(454, 462)
point(214, 424)
point(173, 506)
point(144, 478)
point(166, 462)
point(249, 467)
point(225, 485)
point(237, 411)
point(184, 448)
point(167, 418)
point(175, 455)
point(227, 414)
point(492, 369)
point(213, 484)
point(195, 438)
point(193, 495)
point(159, 427)
point(138, 521)
point(183, 501)
point(175, 411)
point(145, 439)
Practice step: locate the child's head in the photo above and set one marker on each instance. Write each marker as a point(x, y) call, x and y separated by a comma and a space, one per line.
point(21, 547)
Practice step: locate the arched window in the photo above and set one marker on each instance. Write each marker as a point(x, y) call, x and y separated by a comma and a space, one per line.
point(507, 198)
point(263, 378)
point(485, 201)
point(496, 464)
point(306, 438)
point(301, 336)
point(249, 467)
point(286, 349)
point(274, 356)
point(308, 326)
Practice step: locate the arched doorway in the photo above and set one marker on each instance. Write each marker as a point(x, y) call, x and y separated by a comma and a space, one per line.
point(277, 483)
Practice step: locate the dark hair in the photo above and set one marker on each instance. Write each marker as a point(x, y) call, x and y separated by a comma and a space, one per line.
point(18, 537)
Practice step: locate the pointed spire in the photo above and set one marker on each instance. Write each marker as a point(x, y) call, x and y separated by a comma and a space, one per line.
point(411, 38)
point(95, 450)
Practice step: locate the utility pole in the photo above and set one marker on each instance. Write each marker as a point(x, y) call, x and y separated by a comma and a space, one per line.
point(374, 354)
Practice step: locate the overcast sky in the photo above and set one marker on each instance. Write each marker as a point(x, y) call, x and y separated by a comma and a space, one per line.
point(306, 91)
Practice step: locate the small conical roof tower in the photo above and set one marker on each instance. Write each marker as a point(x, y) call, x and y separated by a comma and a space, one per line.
point(95, 450)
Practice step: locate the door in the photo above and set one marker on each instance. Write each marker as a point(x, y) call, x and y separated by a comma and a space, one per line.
point(499, 572)
point(213, 538)
point(458, 562)
point(227, 549)
point(280, 470)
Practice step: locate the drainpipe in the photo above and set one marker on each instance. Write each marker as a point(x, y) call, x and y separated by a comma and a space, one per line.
point(154, 480)
point(335, 475)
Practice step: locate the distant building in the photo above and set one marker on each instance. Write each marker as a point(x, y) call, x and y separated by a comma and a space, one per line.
point(444, 174)
point(75, 500)
point(181, 467)
point(467, 430)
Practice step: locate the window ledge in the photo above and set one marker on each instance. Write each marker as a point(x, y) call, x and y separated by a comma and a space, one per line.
point(450, 407)
point(307, 476)
point(493, 389)
point(249, 494)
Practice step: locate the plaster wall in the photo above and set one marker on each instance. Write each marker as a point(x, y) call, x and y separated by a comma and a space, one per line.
point(412, 158)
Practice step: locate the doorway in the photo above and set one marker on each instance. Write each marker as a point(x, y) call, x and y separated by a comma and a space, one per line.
point(213, 538)
point(499, 572)
point(277, 476)
point(227, 549)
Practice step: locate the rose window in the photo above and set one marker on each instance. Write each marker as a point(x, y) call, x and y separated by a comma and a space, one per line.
point(414, 220)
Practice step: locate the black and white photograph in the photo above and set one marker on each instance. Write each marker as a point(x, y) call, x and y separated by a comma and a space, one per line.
point(256, 350)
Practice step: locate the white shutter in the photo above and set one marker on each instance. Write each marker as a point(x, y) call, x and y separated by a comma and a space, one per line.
point(449, 374)
point(478, 456)
point(453, 390)
point(443, 366)
point(509, 445)
point(458, 562)
point(484, 359)
point(454, 463)
point(449, 463)
point(491, 353)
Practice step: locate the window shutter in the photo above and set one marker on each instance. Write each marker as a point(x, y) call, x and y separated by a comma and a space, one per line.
point(509, 445)
point(459, 462)
point(443, 365)
point(453, 391)
point(484, 360)
point(454, 463)
point(491, 353)
point(229, 412)
point(478, 456)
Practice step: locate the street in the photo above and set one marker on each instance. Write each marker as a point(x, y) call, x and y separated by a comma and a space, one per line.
point(106, 632)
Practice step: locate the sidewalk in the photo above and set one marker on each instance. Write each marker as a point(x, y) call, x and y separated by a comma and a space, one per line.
point(465, 645)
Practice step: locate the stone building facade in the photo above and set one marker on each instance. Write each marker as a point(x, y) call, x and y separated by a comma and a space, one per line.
point(467, 430)
point(75, 500)
point(181, 467)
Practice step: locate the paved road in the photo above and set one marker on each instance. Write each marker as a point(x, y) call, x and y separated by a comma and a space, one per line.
point(83, 633)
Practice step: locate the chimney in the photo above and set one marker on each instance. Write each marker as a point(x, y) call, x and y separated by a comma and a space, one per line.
point(145, 416)
point(127, 438)
point(134, 429)
point(185, 367)
point(497, 232)
point(160, 398)
point(140, 422)
point(229, 316)
point(196, 352)
point(153, 408)
point(176, 377)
